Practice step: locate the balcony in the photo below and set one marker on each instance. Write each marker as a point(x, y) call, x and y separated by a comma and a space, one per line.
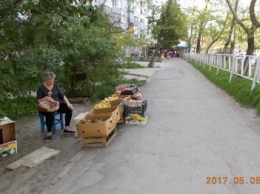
point(131, 18)
point(107, 10)
point(116, 10)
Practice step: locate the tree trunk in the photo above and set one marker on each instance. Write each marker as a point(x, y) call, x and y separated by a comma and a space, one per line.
point(231, 35)
point(210, 45)
point(198, 43)
point(250, 48)
point(250, 42)
point(164, 17)
point(232, 45)
point(151, 63)
point(229, 38)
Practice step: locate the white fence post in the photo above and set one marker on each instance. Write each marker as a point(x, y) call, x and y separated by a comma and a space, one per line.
point(233, 67)
point(256, 76)
point(220, 61)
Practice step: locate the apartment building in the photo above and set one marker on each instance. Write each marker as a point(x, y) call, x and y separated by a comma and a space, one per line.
point(130, 15)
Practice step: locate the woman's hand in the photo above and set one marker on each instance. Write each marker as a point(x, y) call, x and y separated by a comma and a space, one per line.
point(70, 106)
point(48, 98)
point(68, 103)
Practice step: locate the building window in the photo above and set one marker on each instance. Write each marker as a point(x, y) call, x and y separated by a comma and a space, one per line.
point(114, 2)
point(136, 19)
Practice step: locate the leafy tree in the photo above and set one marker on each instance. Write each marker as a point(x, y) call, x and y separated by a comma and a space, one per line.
point(95, 53)
point(248, 29)
point(169, 28)
point(214, 30)
point(53, 35)
point(231, 34)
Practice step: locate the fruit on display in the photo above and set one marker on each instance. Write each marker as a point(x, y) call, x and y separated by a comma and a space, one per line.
point(99, 120)
point(131, 100)
point(84, 120)
point(102, 104)
point(111, 98)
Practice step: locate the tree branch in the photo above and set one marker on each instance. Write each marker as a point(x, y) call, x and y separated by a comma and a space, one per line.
point(235, 16)
point(252, 14)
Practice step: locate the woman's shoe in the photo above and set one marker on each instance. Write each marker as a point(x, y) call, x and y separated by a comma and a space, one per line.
point(69, 131)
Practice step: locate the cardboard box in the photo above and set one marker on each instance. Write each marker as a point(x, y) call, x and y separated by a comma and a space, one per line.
point(120, 106)
point(7, 130)
point(8, 149)
point(114, 110)
point(96, 129)
point(122, 98)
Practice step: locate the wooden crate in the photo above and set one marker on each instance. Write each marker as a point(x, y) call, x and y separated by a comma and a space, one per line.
point(98, 142)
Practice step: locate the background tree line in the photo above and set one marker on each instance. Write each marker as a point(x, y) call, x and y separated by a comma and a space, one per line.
point(217, 25)
point(78, 42)
point(70, 37)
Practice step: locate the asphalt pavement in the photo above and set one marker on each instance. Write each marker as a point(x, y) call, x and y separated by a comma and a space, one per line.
point(197, 140)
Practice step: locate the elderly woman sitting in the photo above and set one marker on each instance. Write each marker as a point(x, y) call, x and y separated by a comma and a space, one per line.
point(50, 91)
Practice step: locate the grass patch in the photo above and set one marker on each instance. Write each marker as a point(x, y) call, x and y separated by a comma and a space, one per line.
point(158, 59)
point(239, 88)
point(131, 65)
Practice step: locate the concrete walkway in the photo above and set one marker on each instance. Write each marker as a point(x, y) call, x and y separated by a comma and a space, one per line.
point(197, 140)
point(194, 131)
point(144, 73)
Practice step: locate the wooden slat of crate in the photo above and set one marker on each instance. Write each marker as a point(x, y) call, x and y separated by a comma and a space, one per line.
point(98, 142)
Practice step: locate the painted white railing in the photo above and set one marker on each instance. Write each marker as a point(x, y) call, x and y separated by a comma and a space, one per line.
point(234, 64)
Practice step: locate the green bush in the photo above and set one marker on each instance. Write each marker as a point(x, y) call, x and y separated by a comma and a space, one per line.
point(108, 88)
point(19, 107)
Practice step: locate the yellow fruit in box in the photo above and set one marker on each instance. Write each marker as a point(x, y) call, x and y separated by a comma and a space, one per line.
point(103, 104)
point(131, 100)
point(111, 98)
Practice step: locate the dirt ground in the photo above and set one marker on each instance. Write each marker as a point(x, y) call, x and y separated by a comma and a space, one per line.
point(29, 138)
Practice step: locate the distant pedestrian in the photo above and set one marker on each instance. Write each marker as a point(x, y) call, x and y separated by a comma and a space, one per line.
point(177, 54)
point(165, 53)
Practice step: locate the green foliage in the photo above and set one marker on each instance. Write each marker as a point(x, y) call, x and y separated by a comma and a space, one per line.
point(54, 35)
point(31, 33)
point(158, 59)
point(170, 26)
point(19, 107)
point(108, 88)
point(131, 65)
point(97, 57)
point(239, 88)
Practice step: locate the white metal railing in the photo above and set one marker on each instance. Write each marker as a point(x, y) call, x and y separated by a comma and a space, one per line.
point(246, 66)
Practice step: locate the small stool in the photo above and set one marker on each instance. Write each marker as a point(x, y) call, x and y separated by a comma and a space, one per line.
point(59, 120)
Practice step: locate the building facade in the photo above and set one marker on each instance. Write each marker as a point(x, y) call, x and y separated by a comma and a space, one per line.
point(130, 15)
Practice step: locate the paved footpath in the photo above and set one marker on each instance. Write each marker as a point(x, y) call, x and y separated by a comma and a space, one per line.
point(197, 140)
